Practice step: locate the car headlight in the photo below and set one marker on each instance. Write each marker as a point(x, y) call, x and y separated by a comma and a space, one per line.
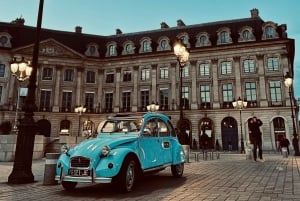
point(64, 149)
point(105, 150)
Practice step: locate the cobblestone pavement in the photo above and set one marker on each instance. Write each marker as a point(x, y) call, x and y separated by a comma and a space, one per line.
point(231, 177)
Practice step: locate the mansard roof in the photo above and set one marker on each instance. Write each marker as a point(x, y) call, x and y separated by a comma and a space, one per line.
point(23, 35)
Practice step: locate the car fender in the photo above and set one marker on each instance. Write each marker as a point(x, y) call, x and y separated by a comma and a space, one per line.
point(109, 166)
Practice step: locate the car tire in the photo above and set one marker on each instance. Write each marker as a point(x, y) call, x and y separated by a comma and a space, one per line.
point(177, 170)
point(127, 176)
point(68, 185)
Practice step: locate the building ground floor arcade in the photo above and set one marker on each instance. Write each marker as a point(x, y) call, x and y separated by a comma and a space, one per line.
point(225, 126)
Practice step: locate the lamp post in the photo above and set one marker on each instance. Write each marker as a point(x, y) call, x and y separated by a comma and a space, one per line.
point(80, 109)
point(22, 170)
point(182, 57)
point(21, 70)
point(288, 82)
point(239, 104)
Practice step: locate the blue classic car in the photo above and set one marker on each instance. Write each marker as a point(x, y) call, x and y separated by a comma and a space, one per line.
point(125, 148)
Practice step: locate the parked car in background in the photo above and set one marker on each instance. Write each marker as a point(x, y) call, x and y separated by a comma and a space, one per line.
point(125, 148)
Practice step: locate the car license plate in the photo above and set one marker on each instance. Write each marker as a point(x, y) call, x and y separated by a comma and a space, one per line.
point(79, 173)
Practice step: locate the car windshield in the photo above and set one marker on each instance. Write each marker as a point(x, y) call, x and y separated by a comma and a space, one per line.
point(121, 125)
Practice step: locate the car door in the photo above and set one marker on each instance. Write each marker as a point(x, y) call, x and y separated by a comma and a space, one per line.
point(150, 145)
point(165, 142)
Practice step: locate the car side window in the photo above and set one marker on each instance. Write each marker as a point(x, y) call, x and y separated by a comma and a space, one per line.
point(150, 129)
point(163, 128)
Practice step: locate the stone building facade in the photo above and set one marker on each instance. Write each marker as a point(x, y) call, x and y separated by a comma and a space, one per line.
point(123, 73)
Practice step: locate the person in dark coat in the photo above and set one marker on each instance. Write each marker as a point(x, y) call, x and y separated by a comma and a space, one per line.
point(254, 127)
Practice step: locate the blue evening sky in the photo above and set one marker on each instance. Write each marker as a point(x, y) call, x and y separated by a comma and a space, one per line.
point(103, 17)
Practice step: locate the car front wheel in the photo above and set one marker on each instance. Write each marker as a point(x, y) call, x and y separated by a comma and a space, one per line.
point(177, 170)
point(127, 177)
point(68, 185)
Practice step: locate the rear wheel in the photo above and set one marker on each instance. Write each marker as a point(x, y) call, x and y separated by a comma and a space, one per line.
point(177, 170)
point(127, 176)
point(68, 185)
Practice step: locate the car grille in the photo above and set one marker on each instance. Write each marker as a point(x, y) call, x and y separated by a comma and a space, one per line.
point(80, 162)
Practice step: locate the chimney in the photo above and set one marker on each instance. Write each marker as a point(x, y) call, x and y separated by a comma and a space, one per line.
point(78, 29)
point(118, 31)
point(164, 25)
point(180, 23)
point(19, 21)
point(254, 13)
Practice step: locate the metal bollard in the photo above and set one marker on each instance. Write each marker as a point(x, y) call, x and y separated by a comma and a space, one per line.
point(186, 150)
point(284, 152)
point(50, 168)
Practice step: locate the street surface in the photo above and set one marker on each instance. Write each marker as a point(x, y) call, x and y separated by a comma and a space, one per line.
point(231, 177)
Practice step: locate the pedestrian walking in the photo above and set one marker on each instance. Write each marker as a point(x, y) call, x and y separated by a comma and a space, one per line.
point(285, 143)
point(254, 127)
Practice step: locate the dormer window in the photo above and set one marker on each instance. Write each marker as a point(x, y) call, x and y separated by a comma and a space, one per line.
point(269, 32)
point(224, 36)
point(111, 49)
point(92, 50)
point(128, 48)
point(5, 40)
point(146, 46)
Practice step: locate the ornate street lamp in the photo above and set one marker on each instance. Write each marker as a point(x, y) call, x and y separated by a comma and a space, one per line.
point(22, 170)
point(153, 107)
point(22, 71)
point(80, 109)
point(182, 55)
point(239, 104)
point(288, 82)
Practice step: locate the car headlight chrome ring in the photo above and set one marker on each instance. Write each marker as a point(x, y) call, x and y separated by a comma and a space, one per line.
point(64, 149)
point(105, 150)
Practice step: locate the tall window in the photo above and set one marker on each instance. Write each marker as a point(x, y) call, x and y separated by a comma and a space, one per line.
point(275, 93)
point(89, 101)
point(164, 99)
point(203, 70)
point(186, 71)
point(109, 78)
point(45, 100)
point(145, 74)
point(251, 95)
point(164, 73)
point(66, 101)
point(108, 102)
point(249, 66)
point(227, 92)
point(69, 75)
point(2, 70)
point(127, 76)
point(185, 98)
point(146, 46)
point(90, 77)
point(224, 37)
point(144, 99)
point(126, 101)
point(226, 68)
point(205, 95)
point(47, 74)
point(273, 64)
point(1, 89)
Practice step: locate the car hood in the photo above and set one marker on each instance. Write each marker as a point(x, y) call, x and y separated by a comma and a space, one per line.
point(92, 147)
